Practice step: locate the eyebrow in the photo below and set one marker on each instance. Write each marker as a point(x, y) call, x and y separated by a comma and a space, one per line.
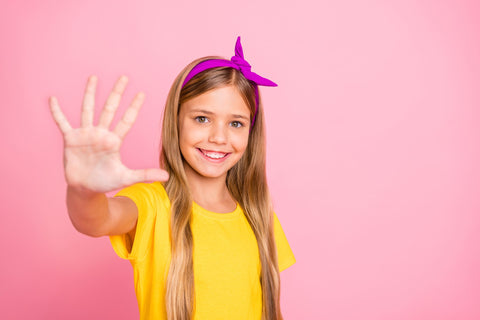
point(237, 116)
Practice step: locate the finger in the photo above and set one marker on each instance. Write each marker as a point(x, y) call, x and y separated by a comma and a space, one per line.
point(58, 116)
point(146, 175)
point(112, 103)
point(124, 125)
point(89, 102)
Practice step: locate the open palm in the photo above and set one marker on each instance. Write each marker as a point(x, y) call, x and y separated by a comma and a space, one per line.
point(92, 153)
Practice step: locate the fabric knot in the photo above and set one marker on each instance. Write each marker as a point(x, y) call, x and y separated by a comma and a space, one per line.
point(237, 62)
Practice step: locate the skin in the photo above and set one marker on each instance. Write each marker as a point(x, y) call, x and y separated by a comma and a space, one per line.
point(93, 166)
point(216, 121)
point(214, 130)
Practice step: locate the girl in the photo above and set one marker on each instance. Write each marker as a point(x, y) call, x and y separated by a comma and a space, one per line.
point(201, 235)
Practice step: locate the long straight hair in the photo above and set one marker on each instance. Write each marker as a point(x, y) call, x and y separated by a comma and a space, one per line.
point(246, 181)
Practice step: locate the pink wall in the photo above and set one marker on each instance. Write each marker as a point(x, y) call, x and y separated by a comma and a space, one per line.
point(373, 145)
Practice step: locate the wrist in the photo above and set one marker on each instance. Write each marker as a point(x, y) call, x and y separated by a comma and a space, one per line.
point(82, 192)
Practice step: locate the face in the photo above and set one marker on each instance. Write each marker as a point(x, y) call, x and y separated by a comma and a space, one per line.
point(214, 129)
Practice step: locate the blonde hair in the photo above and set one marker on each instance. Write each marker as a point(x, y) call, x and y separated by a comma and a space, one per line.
point(246, 182)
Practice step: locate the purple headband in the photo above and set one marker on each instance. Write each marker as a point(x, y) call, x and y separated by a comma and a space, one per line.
point(237, 62)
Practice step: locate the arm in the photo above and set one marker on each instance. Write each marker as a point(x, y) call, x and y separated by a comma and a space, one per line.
point(93, 166)
point(95, 215)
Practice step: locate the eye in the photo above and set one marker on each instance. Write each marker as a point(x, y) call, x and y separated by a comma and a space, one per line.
point(201, 119)
point(236, 124)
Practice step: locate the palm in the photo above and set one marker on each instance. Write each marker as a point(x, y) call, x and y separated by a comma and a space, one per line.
point(92, 159)
point(92, 154)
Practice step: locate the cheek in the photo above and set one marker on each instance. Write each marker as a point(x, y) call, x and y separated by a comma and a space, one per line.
point(240, 142)
point(188, 134)
point(186, 139)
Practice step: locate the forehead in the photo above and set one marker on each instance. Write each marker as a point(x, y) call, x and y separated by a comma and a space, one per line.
point(224, 100)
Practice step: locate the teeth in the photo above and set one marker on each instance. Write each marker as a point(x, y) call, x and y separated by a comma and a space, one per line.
point(214, 155)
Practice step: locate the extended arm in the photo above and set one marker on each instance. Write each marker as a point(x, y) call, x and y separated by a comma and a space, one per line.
point(93, 165)
point(94, 214)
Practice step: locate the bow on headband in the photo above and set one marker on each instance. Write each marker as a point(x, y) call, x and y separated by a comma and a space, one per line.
point(237, 62)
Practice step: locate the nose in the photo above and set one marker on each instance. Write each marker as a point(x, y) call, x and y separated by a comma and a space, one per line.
point(218, 134)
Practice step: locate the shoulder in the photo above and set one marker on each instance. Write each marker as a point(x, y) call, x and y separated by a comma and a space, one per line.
point(284, 251)
point(276, 224)
point(144, 187)
point(145, 192)
point(152, 205)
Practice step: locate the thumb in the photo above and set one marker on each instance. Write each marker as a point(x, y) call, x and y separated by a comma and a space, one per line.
point(147, 175)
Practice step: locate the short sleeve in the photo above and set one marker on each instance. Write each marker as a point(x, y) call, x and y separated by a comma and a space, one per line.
point(143, 195)
point(285, 254)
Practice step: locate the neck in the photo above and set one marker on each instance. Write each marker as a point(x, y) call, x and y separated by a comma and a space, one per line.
point(210, 193)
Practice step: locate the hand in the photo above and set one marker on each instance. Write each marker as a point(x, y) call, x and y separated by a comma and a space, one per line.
point(92, 153)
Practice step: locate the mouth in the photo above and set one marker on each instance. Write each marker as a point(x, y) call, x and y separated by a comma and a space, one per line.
point(214, 155)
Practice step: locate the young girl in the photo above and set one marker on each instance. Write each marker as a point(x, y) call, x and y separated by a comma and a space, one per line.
point(201, 235)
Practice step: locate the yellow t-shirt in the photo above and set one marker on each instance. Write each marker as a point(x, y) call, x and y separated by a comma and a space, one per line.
point(226, 261)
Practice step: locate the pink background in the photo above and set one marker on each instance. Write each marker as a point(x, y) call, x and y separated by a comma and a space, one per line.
point(373, 146)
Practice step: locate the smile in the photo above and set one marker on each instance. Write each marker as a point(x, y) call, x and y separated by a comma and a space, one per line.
point(214, 155)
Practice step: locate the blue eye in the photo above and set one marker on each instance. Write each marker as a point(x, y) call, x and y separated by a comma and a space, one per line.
point(201, 119)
